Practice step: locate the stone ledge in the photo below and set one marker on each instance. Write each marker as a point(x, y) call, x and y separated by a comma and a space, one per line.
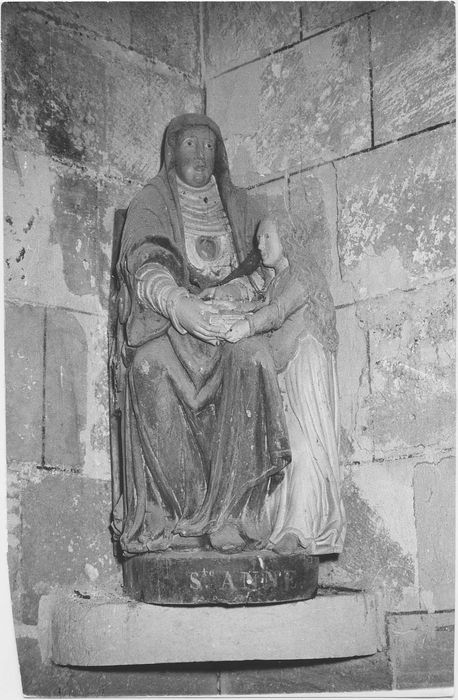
point(113, 631)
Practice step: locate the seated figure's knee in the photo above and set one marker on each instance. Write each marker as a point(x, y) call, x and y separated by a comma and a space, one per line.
point(152, 359)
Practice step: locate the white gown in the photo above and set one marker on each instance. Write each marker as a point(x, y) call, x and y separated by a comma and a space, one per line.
point(308, 503)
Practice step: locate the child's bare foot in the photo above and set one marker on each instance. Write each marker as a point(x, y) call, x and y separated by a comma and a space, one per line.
point(289, 544)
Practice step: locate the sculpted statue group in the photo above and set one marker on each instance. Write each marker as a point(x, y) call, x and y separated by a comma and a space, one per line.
point(224, 370)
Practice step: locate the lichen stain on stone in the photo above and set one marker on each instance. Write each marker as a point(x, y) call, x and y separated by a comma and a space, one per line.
point(99, 437)
point(54, 121)
point(32, 97)
point(370, 557)
point(75, 227)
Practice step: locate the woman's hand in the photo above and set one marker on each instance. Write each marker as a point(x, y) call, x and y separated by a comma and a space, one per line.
point(240, 329)
point(201, 319)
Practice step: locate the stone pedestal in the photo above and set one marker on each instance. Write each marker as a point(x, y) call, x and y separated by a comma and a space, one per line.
point(212, 578)
point(107, 630)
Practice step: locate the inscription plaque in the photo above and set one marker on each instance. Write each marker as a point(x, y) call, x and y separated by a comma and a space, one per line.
point(210, 578)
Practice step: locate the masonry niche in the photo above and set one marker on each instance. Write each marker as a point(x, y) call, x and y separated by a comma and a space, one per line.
point(338, 119)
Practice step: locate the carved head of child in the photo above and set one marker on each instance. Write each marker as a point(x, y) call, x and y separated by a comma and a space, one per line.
point(269, 243)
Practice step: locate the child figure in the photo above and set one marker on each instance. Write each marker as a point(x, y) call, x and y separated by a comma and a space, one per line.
point(306, 508)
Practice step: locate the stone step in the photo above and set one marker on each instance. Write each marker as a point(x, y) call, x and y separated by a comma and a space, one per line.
point(116, 631)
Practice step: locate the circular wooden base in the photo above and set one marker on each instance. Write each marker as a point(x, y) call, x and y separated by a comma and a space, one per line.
point(211, 578)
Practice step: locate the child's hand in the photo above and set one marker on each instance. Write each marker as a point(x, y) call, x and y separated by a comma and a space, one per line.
point(240, 329)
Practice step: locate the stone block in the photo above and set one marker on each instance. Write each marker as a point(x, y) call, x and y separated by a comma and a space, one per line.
point(413, 58)
point(24, 333)
point(378, 554)
point(397, 214)
point(411, 346)
point(121, 632)
point(300, 107)
point(386, 489)
point(421, 650)
point(434, 484)
point(326, 676)
point(65, 390)
point(76, 434)
point(65, 527)
point(319, 16)
point(45, 204)
point(56, 107)
point(144, 97)
point(48, 680)
point(239, 32)
point(109, 19)
point(168, 32)
point(353, 377)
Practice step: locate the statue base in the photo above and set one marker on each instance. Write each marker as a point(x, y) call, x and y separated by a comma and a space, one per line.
point(211, 578)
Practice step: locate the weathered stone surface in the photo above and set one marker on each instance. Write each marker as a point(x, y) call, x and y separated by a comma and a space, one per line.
point(434, 484)
point(411, 345)
point(372, 558)
point(319, 16)
point(167, 31)
point(144, 97)
point(75, 229)
point(354, 386)
point(211, 578)
point(95, 434)
point(397, 214)
point(14, 540)
point(110, 19)
point(76, 398)
point(56, 107)
point(421, 650)
point(300, 107)
point(40, 196)
point(313, 207)
point(112, 195)
point(413, 67)
point(65, 390)
point(239, 32)
point(327, 676)
point(48, 680)
point(120, 632)
point(65, 527)
point(387, 488)
point(24, 332)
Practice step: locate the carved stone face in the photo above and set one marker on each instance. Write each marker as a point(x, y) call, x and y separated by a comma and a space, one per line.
point(195, 155)
point(269, 243)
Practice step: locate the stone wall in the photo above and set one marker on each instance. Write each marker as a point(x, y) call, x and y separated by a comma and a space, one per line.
point(88, 91)
point(342, 115)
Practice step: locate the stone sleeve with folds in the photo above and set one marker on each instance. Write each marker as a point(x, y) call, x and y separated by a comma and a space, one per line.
point(155, 287)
